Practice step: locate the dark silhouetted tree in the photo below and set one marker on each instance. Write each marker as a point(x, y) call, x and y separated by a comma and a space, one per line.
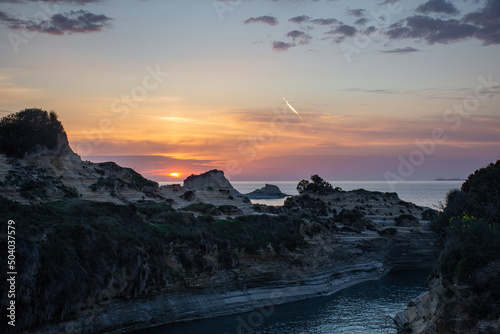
point(318, 186)
point(302, 186)
point(29, 130)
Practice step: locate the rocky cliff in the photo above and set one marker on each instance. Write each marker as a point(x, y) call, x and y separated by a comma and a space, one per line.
point(37, 165)
point(456, 308)
point(143, 265)
point(182, 280)
point(211, 180)
point(269, 191)
point(117, 253)
point(58, 174)
point(464, 292)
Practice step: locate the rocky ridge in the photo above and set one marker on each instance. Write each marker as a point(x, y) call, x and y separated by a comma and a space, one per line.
point(454, 308)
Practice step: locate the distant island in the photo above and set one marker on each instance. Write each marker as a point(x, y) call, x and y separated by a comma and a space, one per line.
point(451, 179)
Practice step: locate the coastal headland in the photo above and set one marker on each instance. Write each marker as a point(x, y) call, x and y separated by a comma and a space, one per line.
point(102, 249)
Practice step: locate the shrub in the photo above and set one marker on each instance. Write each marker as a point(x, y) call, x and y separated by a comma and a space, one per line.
point(429, 214)
point(471, 244)
point(30, 129)
point(106, 183)
point(470, 225)
point(348, 216)
point(317, 186)
point(204, 208)
point(406, 220)
point(228, 209)
point(188, 195)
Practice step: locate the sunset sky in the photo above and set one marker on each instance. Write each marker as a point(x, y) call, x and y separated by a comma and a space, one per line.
point(387, 89)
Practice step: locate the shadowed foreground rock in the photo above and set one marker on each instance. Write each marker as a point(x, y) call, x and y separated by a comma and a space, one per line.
point(464, 291)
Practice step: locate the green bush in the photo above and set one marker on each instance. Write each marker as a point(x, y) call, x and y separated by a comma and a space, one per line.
point(188, 195)
point(204, 208)
point(471, 244)
point(406, 220)
point(228, 209)
point(429, 214)
point(106, 183)
point(470, 225)
point(348, 216)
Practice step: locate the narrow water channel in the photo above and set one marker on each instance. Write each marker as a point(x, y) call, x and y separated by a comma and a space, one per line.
point(362, 308)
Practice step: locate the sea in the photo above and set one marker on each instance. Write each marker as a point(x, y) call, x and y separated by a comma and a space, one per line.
point(364, 308)
point(429, 194)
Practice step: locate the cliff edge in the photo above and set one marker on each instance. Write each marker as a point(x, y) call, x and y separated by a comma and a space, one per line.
point(37, 165)
point(464, 291)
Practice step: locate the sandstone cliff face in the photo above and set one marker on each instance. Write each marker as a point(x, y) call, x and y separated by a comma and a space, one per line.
point(211, 180)
point(450, 308)
point(327, 264)
point(333, 255)
point(57, 174)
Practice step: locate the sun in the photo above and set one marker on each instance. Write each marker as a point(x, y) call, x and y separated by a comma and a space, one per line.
point(175, 174)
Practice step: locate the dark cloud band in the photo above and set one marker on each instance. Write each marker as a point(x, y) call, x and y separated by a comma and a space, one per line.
point(79, 21)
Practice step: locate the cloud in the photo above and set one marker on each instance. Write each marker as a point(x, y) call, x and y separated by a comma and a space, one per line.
point(425, 24)
point(438, 6)
point(282, 46)
point(346, 30)
point(406, 50)
point(361, 21)
point(299, 19)
point(388, 2)
point(325, 22)
point(300, 35)
point(488, 20)
point(305, 18)
point(82, 2)
point(370, 30)
point(79, 21)
point(431, 30)
point(356, 12)
point(271, 20)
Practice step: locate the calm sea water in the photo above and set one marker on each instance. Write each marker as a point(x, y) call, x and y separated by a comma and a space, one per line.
point(362, 308)
point(423, 193)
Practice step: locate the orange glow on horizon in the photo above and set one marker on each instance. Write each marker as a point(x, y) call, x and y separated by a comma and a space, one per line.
point(175, 174)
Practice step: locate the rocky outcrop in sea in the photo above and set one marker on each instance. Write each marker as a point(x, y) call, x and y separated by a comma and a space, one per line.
point(269, 191)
